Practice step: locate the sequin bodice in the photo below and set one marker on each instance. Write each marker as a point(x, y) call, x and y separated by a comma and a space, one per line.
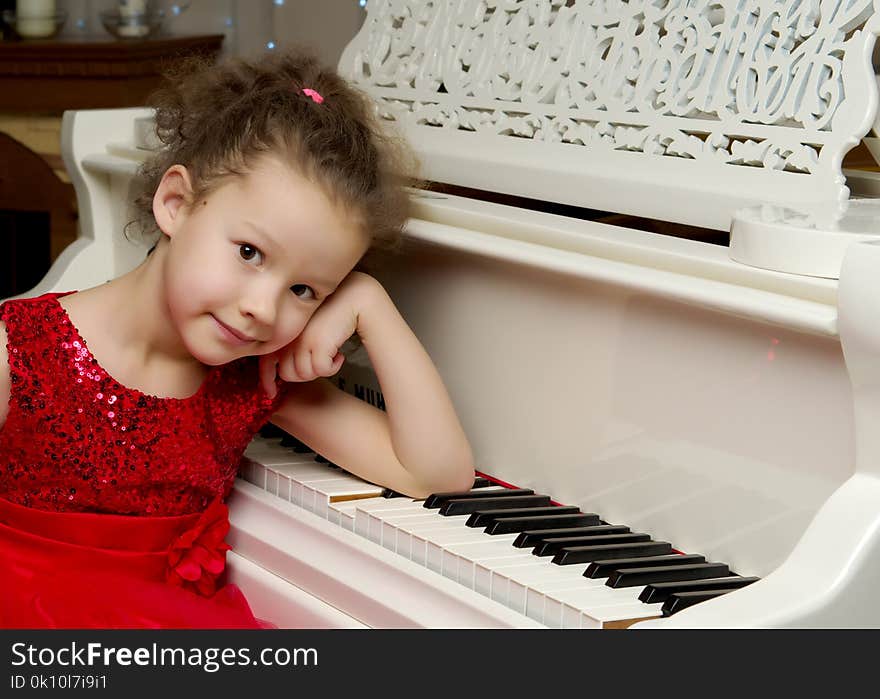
point(77, 440)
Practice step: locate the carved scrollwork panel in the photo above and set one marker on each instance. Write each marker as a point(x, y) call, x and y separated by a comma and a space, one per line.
point(747, 83)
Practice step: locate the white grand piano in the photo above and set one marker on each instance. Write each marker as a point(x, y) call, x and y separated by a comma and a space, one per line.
point(603, 343)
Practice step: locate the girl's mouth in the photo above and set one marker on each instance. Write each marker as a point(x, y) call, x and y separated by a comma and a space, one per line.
point(231, 335)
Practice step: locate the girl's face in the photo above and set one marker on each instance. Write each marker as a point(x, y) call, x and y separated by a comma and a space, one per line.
point(248, 265)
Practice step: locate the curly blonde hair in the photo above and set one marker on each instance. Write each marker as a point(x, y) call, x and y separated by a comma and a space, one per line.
point(218, 119)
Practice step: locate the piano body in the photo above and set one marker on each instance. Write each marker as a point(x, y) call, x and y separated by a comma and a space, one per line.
point(720, 398)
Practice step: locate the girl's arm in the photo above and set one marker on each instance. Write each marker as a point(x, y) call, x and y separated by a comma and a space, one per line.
point(5, 384)
point(418, 446)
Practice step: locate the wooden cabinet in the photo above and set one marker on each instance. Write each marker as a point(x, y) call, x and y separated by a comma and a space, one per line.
point(77, 73)
point(39, 79)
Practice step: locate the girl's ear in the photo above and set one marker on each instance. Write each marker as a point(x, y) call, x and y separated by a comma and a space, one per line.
point(170, 201)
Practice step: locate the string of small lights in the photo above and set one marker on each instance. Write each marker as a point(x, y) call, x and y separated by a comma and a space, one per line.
point(178, 8)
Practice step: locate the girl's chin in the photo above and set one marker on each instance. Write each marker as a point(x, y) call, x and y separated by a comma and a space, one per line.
point(212, 356)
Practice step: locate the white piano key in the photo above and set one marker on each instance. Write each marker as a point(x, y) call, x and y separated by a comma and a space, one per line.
point(435, 544)
point(531, 575)
point(506, 576)
point(510, 559)
point(461, 557)
point(526, 582)
point(343, 513)
point(483, 570)
point(523, 594)
point(419, 538)
point(375, 525)
point(506, 590)
point(246, 469)
point(323, 501)
point(607, 615)
point(301, 491)
point(298, 480)
point(259, 474)
point(410, 531)
point(390, 529)
point(272, 453)
point(536, 595)
point(560, 604)
point(417, 524)
point(316, 493)
point(304, 472)
point(348, 489)
point(272, 481)
point(381, 523)
point(391, 504)
point(370, 512)
point(311, 473)
point(402, 517)
point(367, 509)
point(426, 542)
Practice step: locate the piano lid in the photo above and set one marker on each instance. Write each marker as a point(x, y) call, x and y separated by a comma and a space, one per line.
point(683, 110)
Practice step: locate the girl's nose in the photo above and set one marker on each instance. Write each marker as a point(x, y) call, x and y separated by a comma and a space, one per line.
point(261, 306)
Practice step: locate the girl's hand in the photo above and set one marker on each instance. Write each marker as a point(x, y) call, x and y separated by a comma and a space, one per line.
point(315, 351)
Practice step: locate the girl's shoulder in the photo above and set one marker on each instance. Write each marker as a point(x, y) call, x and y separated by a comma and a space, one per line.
point(30, 315)
point(23, 324)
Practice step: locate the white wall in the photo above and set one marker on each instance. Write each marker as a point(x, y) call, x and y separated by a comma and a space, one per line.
point(326, 26)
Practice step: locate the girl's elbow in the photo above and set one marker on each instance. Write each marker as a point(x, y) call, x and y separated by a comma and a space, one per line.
point(461, 477)
point(455, 477)
point(467, 476)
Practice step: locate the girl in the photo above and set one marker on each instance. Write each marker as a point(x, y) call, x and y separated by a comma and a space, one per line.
point(125, 408)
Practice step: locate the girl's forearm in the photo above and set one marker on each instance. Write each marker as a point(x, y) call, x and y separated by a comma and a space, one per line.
point(425, 432)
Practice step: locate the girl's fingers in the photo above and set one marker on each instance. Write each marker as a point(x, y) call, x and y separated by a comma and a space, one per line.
point(337, 363)
point(288, 368)
point(302, 365)
point(322, 363)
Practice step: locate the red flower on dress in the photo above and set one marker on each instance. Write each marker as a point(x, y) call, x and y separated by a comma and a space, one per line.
point(198, 556)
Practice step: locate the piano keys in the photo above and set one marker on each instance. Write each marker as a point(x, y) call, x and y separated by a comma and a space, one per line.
point(594, 578)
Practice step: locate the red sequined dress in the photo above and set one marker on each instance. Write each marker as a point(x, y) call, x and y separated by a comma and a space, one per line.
point(112, 509)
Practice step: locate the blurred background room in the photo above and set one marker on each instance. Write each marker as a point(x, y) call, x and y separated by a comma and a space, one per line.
point(85, 54)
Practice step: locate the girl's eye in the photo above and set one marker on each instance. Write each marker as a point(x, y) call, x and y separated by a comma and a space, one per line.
point(303, 291)
point(249, 252)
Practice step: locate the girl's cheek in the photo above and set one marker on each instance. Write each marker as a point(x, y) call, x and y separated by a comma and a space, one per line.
point(293, 329)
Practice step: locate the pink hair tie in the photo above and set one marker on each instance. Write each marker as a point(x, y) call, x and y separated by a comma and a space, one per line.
point(316, 97)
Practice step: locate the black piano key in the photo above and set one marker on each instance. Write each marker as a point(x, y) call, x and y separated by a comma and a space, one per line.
point(288, 440)
point(633, 577)
point(586, 554)
point(551, 546)
point(519, 524)
point(471, 505)
point(532, 537)
point(483, 518)
point(478, 483)
point(660, 591)
point(682, 600)
point(604, 568)
point(270, 431)
point(440, 499)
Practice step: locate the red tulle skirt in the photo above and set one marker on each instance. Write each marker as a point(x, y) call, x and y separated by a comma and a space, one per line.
point(83, 570)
